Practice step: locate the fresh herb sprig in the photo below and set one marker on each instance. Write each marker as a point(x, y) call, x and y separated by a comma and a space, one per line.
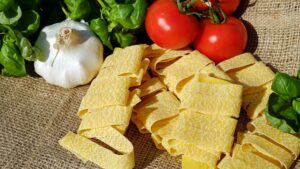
point(283, 108)
point(116, 23)
point(20, 22)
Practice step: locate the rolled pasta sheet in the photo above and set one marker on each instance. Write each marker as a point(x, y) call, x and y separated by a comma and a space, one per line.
point(183, 68)
point(166, 58)
point(245, 160)
point(132, 56)
point(106, 110)
point(211, 96)
point(255, 75)
point(106, 91)
point(255, 103)
point(87, 150)
point(200, 135)
point(256, 78)
point(214, 71)
point(238, 62)
point(290, 142)
point(274, 153)
point(263, 146)
point(151, 86)
point(206, 162)
point(129, 62)
point(156, 110)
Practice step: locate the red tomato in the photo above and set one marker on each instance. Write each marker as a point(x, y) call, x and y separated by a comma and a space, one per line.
point(228, 6)
point(168, 27)
point(200, 5)
point(221, 41)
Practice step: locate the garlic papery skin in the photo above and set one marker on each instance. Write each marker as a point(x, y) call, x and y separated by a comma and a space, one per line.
point(73, 54)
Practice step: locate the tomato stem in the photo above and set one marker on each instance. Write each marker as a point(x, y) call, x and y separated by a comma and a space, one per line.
point(215, 13)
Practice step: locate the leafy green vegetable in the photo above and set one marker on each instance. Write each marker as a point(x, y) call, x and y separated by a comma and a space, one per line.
point(100, 28)
point(283, 108)
point(117, 23)
point(19, 20)
point(298, 74)
point(296, 105)
point(285, 85)
point(130, 16)
point(5, 4)
point(275, 113)
point(11, 15)
point(10, 58)
point(124, 39)
point(77, 9)
point(123, 19)
point(29, 22)
point(29, 52)
point(15, 48)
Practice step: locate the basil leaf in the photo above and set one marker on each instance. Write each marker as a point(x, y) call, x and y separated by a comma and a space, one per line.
point(280, 124)
point(100, 28)
point(296, 105)
point(27, 51)
point(298, 74)
point(124, 39)
point(5, 4)
point(281, 115)
point(130, 16)
point(11, 60)
point(29, 22)
point(10, 16)
point(286, 85)
point(77, 9)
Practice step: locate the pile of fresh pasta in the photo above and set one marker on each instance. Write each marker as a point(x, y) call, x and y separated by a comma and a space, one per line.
point(189, 105)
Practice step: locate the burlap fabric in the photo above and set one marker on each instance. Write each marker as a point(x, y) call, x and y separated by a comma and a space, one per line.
point(35, 115)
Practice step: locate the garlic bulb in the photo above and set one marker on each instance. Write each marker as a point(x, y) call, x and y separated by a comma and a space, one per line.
point(73, 54)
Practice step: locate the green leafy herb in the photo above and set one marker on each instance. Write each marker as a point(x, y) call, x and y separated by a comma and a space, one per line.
point(77, 9)
point(15, 48)
point(117, 23)
point(11, 15)
point(130, 16)
point(124, 39)
point(5, 4)
point(123, 19)
point(298, 74)
point(19, 20)
point(286, 85)
point(296, 105)
point(100, 28)
point(29, 22)
point(10, 58)
point(283, 108)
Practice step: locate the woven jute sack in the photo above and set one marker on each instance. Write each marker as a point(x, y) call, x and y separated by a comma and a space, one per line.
point(35, 115)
